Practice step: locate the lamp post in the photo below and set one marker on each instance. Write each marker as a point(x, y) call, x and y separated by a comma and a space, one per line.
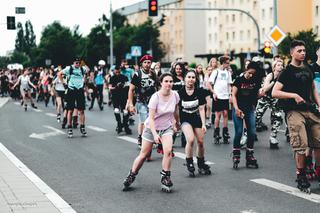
point(275, 22)
point(111, 36)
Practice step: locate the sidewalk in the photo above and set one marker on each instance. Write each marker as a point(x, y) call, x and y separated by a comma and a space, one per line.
point(21, 191)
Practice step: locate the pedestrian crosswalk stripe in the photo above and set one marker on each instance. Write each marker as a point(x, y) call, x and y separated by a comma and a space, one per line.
point(177, 154)
point(288, 189)
point(95, 128)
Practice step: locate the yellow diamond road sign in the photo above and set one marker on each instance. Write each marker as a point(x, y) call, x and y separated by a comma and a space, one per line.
point(276, 35)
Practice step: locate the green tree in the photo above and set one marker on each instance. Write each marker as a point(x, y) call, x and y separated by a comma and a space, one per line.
point(309, 37)
point(29, 37)
point(57, 43)
point(20, 39)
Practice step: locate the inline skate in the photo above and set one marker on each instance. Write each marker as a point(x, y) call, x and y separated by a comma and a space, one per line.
point(129, 180)
point(166, 183)
point(303, 183)
point(236, 158)
point(203, 168)
point(216, 136)
point(225, 135)
point(190, 167)
point(251, 161)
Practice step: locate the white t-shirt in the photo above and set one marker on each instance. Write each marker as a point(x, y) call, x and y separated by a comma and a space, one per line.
point(221, 80)
point(24, 82)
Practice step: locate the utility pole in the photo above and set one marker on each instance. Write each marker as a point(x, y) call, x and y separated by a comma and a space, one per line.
point(275, 22)
point(111, 36)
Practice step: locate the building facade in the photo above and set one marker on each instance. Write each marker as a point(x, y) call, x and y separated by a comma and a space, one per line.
point(188, 33)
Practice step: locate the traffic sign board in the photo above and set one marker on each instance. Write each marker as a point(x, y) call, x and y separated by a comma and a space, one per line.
point(136, 51)
point(276, 35)
point(20, 10)
point(128, 56)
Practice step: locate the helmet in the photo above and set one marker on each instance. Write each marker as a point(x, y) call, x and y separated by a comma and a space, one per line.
point(102, 63)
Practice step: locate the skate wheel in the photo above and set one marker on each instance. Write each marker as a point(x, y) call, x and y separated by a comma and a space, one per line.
point(235, 166)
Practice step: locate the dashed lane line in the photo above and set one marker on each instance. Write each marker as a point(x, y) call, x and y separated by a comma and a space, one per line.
point(177, 154)
point(95, 128)
point(288, 189)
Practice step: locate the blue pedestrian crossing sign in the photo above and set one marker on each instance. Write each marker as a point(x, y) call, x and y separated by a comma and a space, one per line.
point(136, 51)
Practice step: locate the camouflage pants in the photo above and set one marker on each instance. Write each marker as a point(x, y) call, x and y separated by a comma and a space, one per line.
point(276, 116)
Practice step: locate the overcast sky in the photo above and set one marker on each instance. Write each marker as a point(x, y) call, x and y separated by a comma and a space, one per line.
point(84, 13)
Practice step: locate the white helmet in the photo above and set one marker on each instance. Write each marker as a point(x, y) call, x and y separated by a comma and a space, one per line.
point(102, 63)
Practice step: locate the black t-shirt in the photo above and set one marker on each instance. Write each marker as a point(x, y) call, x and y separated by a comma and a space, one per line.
point(296, 80)
point(247, 92)
point(118, 81)
point(177, 83)
point(189, 105)
point(145, 84)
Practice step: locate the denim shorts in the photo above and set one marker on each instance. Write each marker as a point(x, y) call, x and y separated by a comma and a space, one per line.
point(148, 136)
point(143, 111)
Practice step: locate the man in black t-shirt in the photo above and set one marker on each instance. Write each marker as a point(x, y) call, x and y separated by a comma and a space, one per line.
point(119, 98)
point(297, 89)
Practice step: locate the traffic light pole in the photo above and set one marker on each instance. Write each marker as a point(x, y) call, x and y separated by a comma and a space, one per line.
point(224, 9)
point(275, 20)
point(111, 36)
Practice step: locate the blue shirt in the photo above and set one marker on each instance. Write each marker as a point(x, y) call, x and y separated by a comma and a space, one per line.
point(127, 72)
point(99, 79)
point(76, 80)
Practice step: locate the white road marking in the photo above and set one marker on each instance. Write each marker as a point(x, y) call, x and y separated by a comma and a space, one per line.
point(282, 130)
point(17, 103)
point(95, 128)
point(43, 136)
point(177, 154)
point(37, 110)
point(56, 200)
point(248, 211)
point(288, 189)
point(51, 114)
point(3, 101)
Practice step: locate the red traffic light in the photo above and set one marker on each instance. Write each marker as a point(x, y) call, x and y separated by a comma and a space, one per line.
point(153, 7)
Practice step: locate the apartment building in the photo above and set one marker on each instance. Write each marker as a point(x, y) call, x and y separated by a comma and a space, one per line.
point(188, 33)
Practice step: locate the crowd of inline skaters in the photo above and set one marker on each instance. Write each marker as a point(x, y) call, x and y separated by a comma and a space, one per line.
point(182, 100)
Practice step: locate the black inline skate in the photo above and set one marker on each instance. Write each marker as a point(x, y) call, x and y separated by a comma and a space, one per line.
point(225, 135)
point(216, 136)
point(129, 180)
point(303, 183)
point(166, 183)
point(190, 167)
point(70, 133)
point(251, 161)
point(64, 123)
point(58, 117)
point(236, 158)
point(310, 172)
point(139, 142)
point(25, 108)
point(203, 168)
point(83, 131)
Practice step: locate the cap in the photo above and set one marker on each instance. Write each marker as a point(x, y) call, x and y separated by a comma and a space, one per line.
point(146, 57)
point(77, 58)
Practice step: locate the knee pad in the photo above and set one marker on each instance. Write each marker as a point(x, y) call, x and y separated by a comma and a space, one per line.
point(116, 110)
point(125, 112)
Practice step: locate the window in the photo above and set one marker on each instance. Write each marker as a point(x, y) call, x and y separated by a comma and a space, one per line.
point(263, 14)
point(316, 30)
point(220, 26)
point(227, 2)
point(254, 4)
point(263, 31)
point(215, 20)
point(227, 36)
point(227, 19)
point(270, 12)
point(241, 17)
point(209, 4)
point(241, 35)
point(233, 18)
point(317, 10)
point(248, 34)
point(210, 37)
point(215, 3)
point(209, 22)
point(233, 35)
point(215, 37)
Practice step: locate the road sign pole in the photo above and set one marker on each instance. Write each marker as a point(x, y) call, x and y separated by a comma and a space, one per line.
point(136, 59)
point(275, 20)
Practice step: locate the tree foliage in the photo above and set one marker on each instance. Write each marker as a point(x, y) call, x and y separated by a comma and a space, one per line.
point(309, 37)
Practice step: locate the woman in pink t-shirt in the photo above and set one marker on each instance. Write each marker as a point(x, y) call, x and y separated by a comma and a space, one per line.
point(160, 126)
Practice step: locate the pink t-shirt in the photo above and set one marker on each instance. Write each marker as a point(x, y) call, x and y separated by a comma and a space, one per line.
point(164, 110)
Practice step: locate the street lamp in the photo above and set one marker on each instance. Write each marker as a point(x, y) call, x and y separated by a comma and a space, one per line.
point(111, 36)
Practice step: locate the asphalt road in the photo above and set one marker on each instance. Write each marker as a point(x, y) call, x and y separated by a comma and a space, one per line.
point(88, 172)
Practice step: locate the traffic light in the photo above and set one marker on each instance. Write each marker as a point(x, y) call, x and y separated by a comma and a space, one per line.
point(267, 49)
point(11, 22)
point(153, 8)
